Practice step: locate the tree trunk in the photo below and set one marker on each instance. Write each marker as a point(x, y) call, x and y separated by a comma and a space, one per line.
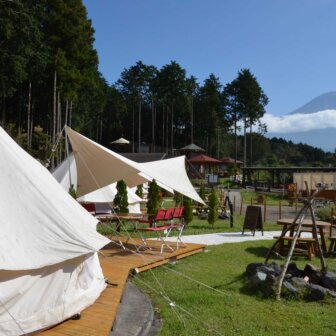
point(251, 158)
point(54, 121)
point(153, 126)
point(163, 128)
point(133, 127)
point(139, 128)
point(236, 145)
point(245, 126)
point(70, 113)
point(172, 130)
point(28, 114)
point(66, 112)
point(192, 120)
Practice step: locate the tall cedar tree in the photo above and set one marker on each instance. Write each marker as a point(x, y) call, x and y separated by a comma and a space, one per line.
point(213, 207)
point(154, 199)
point(188, 210)
point(121, 199)
point(251, 101)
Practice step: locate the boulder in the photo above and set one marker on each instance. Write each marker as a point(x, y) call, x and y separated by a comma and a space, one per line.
point(328, 280)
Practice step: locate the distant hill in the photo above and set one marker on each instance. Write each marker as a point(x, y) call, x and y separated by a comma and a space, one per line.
point(322, 138)
point(326, 101)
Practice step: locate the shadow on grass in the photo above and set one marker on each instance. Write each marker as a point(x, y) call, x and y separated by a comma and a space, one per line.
point(259, 251)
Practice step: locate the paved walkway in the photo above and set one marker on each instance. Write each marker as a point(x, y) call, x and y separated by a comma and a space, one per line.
point(229, 237)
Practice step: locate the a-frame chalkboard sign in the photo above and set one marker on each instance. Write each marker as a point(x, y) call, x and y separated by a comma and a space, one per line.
point(253, 219)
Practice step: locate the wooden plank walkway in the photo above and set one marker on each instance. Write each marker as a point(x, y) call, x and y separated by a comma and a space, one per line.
point(97, 320)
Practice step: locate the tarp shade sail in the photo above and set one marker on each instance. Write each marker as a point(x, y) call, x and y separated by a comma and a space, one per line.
point(171, 173)
point(49, 268)
point(41, 224)
point(98, 166)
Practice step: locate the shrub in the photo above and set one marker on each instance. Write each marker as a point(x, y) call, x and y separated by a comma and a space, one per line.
point(153, 203)
point(213, 207)
point(188, 210)
point(139, 190)
point(121, 199)
point(324, 213)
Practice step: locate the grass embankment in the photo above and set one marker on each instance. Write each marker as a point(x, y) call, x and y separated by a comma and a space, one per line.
point(197, 226)
point(231, 308)
point(271, 198)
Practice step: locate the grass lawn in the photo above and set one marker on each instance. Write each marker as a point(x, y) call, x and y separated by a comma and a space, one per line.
point(230, 309)
point(271, 199)
point(197, 226)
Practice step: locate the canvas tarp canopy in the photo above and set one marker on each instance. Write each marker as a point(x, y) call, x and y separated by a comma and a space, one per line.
point(66, 175)
point(89, 155)
point(49, 268)
point(98, 166)
point(171, 173)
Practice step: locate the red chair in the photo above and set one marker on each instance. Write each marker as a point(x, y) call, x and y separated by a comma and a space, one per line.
point(160, 216)
point(178, 215)
point(90, 207)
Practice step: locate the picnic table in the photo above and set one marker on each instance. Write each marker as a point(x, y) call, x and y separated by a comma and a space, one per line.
point(307, 226)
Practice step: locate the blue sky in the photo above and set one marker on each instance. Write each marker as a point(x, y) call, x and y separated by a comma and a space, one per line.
point(289, 45)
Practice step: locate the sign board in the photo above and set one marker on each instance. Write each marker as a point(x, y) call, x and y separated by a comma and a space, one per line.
point(253, 219)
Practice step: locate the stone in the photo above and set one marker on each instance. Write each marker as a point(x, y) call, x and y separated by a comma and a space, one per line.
point(251, 269)
point(276, 267)
point(293, 270)
point(317, 292)
point(268, 285)
point(328, 280)
point(299, 283)
point(258, 279)
point(289, 288)
point(267, 269)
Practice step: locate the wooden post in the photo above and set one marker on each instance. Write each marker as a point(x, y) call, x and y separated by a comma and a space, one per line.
point(251, 201)
point(265, 210)
point(279, 209)
point(234, 203)
point(331, 220)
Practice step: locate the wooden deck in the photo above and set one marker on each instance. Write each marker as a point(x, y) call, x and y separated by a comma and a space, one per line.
point(97, 320)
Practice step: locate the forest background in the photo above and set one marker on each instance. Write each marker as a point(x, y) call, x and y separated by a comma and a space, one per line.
point(49, 77)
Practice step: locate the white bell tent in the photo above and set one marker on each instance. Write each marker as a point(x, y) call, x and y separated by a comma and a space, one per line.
point(49, 268)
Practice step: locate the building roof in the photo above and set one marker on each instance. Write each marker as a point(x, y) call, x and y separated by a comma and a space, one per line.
point(204, 159)
point(192, 148)
point(229, 159)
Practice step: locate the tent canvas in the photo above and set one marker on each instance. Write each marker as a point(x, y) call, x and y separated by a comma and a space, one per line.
point(49, 268)
point(96, 163)
point(66, 174)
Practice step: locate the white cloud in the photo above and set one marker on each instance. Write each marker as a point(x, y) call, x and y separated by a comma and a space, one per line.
point(295, 123)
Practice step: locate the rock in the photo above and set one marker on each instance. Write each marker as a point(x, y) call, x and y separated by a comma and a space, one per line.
point(268, 285)
point(317, 292)
point(299, 283)
point(328, 280)
point(258, 279)
point(313, 274)
point(267, 269)
point(293, 270)
point(289, 288)
point(251, 269)
point(276, 267)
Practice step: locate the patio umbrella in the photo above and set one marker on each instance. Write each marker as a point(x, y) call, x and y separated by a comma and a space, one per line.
point(120, 141)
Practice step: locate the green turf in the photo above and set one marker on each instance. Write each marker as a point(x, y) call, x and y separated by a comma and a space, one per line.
point(230, 309)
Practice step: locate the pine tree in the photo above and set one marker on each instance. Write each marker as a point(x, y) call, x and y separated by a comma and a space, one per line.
point(188, 211)
point(213, 207)
point(121, 199)
point(139, 191)
point(153, 203)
